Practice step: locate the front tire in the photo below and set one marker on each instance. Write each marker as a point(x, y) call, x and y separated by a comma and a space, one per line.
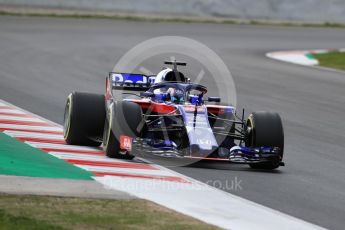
point(266, 129)
point(124, 118)
point(84, 119)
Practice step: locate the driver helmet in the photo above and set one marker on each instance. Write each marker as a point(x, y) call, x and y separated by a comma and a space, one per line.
point(168, 74)
point(173, 95)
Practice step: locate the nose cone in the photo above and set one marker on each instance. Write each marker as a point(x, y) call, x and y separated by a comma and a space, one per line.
point(201, 138)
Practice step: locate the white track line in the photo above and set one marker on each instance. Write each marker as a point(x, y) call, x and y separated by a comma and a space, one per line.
point(76, 156)
point(208, 204)
point(134, 171)
point(12, 111)
point(41, 145)
point(91, 157)
point(30, 128)
point(3, 103)
point(34, 135)
point(12, 118)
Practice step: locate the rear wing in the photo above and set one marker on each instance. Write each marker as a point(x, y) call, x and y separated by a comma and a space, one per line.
point(131, 81)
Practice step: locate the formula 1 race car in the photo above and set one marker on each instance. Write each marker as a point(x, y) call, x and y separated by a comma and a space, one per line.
point(171, 118)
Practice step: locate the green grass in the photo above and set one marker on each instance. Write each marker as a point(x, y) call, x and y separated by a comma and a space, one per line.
point(44, 212)
point(8, 221)
point(334, 60)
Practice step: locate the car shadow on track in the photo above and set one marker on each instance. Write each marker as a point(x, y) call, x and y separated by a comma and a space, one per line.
point(229, 167)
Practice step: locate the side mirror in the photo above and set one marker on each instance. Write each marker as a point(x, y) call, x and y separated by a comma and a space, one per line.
point(214, 99)
point(147, 94)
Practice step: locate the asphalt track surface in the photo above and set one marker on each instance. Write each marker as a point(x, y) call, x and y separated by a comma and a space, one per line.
point(43, 59)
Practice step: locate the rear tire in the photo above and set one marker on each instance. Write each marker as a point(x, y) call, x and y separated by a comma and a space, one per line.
point(266, 129)
point(84, 119)
point(124, 119)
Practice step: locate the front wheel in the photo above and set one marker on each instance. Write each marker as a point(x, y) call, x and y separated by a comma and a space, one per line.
point(123, 124)
point(111, 145)
point(266, 129)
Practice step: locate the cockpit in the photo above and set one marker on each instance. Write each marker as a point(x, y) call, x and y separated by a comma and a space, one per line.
point(179, 93)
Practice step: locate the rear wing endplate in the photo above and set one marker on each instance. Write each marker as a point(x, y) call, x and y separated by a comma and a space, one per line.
point(131, 81)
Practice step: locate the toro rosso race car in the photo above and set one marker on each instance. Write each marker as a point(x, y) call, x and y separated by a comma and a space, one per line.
point(171, 118)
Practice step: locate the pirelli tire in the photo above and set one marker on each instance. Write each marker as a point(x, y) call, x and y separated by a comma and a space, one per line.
point(124, 119)
point(84, 119)
point(266, 129)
